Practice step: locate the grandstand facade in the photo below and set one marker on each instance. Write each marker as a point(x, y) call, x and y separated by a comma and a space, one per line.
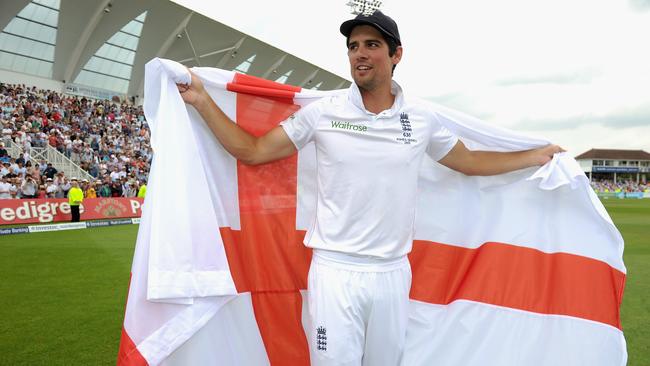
point(72, 80)
point(616, 165)
point(98, 48)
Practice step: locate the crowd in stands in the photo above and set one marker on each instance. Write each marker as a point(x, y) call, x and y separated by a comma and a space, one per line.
point(108, 139)
point(606, 186)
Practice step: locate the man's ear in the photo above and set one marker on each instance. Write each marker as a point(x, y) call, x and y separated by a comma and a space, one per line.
point(397, 57)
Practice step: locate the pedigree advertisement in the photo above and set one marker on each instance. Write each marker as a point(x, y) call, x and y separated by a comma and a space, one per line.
point(30, 211)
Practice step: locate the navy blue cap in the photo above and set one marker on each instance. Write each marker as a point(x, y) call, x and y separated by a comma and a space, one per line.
point(383, 23)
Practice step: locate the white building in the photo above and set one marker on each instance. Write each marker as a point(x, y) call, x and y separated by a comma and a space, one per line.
point(616, 165)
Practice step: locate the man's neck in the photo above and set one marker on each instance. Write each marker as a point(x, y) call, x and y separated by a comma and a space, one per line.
point(378, 99)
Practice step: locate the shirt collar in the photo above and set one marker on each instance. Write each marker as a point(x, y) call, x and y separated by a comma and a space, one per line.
point(354, 96)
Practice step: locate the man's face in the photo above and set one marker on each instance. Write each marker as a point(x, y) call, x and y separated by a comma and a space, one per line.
point(370, 64)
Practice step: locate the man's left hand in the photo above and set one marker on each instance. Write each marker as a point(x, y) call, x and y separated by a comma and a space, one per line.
point(543, 155)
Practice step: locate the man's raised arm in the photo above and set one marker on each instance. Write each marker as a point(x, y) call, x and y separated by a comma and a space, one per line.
point(249, 149)
point(471, 162)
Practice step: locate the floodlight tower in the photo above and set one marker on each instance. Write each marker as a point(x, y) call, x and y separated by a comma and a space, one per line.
point(365, 7)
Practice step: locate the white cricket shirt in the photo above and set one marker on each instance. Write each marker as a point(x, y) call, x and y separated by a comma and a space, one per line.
point(368, 168)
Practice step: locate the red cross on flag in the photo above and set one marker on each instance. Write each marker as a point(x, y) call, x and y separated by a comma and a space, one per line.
point(523, 268)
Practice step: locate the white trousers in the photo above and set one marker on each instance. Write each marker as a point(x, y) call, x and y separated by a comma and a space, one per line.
point(358, 310)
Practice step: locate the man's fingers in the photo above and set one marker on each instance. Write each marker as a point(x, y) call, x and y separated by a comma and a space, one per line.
point(183, 87)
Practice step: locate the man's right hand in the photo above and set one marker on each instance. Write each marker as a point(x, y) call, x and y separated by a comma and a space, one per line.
point(193, 93)
point(249, 149)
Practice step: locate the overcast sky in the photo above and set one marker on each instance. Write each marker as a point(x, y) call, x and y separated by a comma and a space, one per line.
point(576, 72)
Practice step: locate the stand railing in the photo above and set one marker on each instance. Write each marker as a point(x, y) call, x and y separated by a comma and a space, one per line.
point(50, 155)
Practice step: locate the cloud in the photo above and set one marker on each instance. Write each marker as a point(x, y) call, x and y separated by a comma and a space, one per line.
point(575, 77)
point(622, 118)
point(461, 102)
point(640, 5)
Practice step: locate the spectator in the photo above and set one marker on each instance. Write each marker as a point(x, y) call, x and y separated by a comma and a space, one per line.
point(129, 189)
point(7, 131)
point(29, 187)
point(104, 188)
point(5, 188)
point(42, 166)
point(5, 169)
point(4, 155)
point(13, 184)
point(90, 190)
point(50, 188)
point(116, 189)
point(115, 175)
point(50, 171)
point(20, 170)
point(59, 181)
point(33, 171)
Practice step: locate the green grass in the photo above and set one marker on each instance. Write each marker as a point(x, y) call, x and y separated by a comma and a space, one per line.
point(62, 294)
point(632, 217)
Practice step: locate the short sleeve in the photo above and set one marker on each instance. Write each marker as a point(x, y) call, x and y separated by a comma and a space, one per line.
point(301, 126)
point(441, 141)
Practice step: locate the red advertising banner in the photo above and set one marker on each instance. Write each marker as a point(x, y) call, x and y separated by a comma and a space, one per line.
point(30, 211)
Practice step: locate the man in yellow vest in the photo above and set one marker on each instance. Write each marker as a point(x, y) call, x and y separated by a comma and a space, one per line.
point(143, 190)
point(75, 198)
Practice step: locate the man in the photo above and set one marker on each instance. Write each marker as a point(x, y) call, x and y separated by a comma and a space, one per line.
point(5, 188)
point(50, 188)
point(115, 174)
point(60, 180)
point(14, 183)
point(50, 171)
point(116, 189)
point(4, 170)
point(4, 155)
point(105, 188)
point(129, 188)
point(29, 188)
point(43, 165)
point(84, 185)
point(142, 191)
point(75, 198)
point(360, 276)
point(20, 170)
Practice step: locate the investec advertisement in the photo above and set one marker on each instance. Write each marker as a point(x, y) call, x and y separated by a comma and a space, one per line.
point(29, 211)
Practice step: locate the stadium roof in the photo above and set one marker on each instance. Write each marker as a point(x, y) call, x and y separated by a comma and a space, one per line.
point(612, 154)
point(104, 44)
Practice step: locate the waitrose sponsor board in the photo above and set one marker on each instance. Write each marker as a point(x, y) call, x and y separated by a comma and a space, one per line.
point(28, 211)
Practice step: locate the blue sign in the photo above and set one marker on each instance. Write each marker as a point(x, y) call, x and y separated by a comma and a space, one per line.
point(14, 230)
point(634, 195)
point(614, 169)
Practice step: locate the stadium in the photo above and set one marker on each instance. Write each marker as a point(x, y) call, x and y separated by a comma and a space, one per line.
point(72, 88)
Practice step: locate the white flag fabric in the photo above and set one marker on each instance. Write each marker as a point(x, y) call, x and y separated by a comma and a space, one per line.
point(523, 268)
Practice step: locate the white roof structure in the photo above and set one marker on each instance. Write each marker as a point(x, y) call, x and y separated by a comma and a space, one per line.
point(104, 44)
